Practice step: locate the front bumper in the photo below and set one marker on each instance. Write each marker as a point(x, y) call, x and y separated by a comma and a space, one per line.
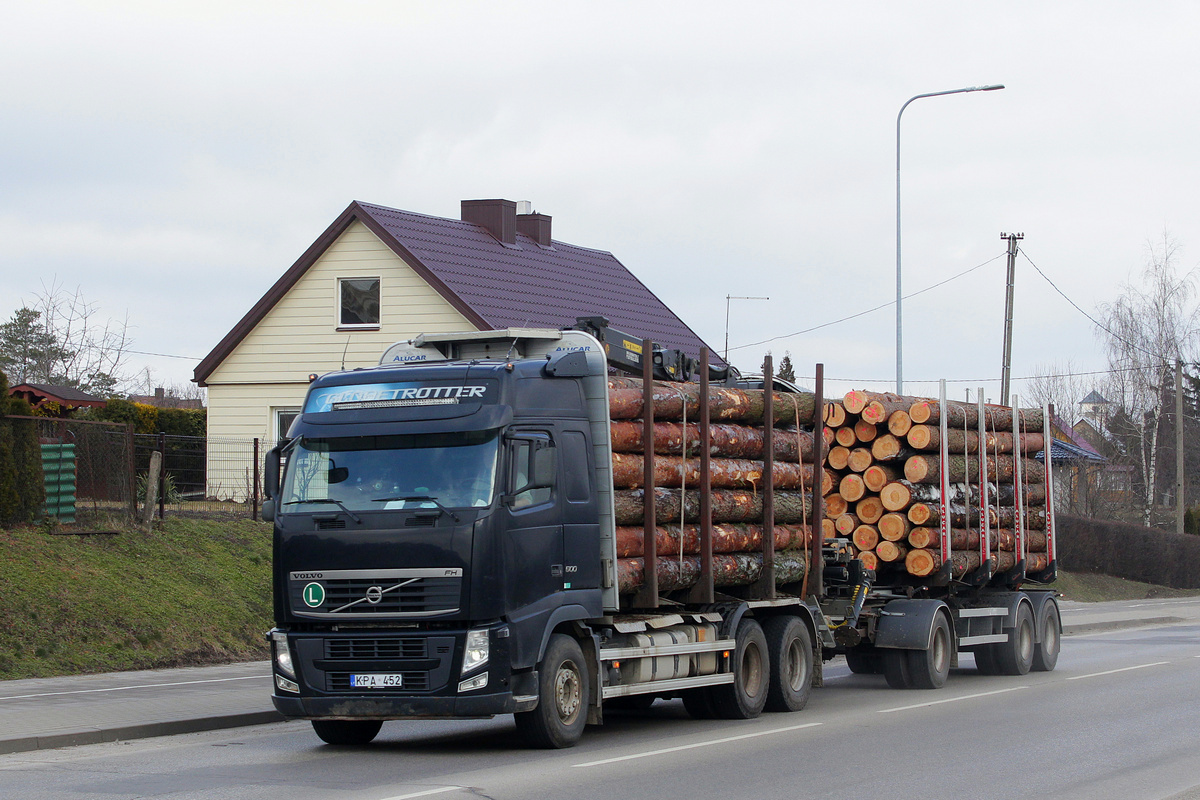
point(475, 705)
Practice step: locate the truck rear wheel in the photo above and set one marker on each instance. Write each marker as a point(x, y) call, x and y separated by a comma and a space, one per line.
point(561, 713)
point(346, 731)
point(746, 696)
point(790, 648)
point(863, 663)
point(1045, 654)
point(1015, 656)
point(698, 703)
point(928, 669)
point(895, 668)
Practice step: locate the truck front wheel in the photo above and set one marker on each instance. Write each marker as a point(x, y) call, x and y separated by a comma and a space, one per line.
point(746, 696)
point(561, 712)
point(346, 731)
point(791, 652)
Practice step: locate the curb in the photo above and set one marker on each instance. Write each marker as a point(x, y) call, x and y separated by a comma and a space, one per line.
point(1119, 624)
point(143, 731)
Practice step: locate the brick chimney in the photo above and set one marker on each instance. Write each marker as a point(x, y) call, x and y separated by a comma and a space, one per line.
point(499, 217)
point(536, 227)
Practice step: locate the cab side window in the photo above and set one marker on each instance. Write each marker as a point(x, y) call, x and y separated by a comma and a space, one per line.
point(534, 462)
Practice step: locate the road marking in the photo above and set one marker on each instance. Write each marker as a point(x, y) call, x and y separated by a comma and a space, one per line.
point(709, 743)
point(1111, 671)
point(425, 793)
point(141, 686)
point(950, 700)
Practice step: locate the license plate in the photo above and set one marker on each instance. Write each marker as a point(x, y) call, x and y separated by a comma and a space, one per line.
point(387, 680)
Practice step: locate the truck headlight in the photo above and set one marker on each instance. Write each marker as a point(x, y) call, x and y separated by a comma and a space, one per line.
point(283, 654)
point(476, 653)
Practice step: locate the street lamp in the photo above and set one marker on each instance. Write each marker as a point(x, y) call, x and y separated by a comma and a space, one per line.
point(899, 322)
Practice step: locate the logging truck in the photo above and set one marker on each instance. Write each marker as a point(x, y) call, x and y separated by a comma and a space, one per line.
point(558, 523)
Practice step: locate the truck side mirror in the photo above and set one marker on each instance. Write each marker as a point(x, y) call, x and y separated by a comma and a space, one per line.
point(268, 510)
point(271, 469)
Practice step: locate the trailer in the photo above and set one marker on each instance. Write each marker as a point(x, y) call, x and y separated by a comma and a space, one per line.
point(446, 545)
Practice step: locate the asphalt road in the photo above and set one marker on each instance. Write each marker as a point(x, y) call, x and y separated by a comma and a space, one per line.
point(1118, 718)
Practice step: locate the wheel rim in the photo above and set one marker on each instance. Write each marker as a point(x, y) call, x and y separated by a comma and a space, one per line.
point(1025, 642)
point(940, 652)
point(797, 666)
point(568, 692)
point(1050, 640)
point(752, 671)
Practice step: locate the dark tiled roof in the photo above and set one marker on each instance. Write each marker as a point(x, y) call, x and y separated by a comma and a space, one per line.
point(64, 395)
point(1064, 452)
point(496, 285)
point(1093, 398)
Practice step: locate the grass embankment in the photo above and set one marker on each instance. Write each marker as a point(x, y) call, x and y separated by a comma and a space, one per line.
point(190, 592)
point(1090, 588)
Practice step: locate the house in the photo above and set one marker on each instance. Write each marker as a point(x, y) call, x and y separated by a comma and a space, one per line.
point(164, 399)
point(379, 275)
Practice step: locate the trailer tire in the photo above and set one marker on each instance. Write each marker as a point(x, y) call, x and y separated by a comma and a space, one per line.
point(561, 713)
point(864, 663)
point(895, 668)
point(746, 696)
point(790, 648)
point(1045, 655)
point(1015, 657)
point(346, 732)
point(929, 668)
point(698, 703)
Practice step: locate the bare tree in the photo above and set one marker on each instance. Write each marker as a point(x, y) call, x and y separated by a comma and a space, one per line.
point(1145, 330)
point(92, 352)
point(1057, 383)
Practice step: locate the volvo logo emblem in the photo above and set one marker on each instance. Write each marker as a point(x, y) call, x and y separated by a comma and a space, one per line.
point(374, 595)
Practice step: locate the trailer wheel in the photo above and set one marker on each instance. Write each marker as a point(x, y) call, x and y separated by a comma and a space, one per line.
point(346, 731)
point(698, 703)
point(1045, 655)
point(790, 648)
point(895, 668)
point(746, 696)
point(863, 663)
point(928, 669)
point(1015, 656)
point(561, 712)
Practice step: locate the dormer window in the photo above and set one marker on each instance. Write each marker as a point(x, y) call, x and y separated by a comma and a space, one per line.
point(358, 302)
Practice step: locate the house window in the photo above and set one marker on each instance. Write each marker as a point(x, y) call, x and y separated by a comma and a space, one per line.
point(358, 302)
point(283, 421)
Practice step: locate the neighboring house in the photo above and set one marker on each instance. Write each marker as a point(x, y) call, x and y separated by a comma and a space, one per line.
point(40, 395)
point(160, 399)
point(378, 275)
point(1095, 407)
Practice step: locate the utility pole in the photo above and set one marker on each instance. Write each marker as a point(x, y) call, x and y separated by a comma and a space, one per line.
point(1179, 500)
point(1006, 369)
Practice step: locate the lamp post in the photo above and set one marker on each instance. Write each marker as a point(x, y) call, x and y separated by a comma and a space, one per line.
point(729, 297)
point(899, 318)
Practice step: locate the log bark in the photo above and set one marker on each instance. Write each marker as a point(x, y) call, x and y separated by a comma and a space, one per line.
point(960, 515)
point(924, 468)
point(724, 473)
point(728, 505)
point(729, 569)
point(726, 404)
point(725, 441)
point(877, 476)
point(959, 414)
point(869, 509)
point(1035, 518)
point(725, 539)
point(1036, 562)
point(924, 563)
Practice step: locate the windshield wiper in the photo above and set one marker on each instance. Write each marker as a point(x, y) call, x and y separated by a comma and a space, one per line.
point(421, 497)
point(339, 504)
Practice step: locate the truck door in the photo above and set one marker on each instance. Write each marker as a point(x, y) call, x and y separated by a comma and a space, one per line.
point(533, 535)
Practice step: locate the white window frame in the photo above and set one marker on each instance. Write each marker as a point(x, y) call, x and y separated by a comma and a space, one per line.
point(276, 414)
point(337, 304)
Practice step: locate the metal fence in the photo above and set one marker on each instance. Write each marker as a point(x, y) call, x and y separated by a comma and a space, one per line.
point(201, 477)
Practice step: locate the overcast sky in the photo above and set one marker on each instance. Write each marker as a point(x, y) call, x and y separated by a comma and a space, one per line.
point(173, 159)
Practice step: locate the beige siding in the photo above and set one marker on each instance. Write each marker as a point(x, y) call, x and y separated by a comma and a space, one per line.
point(269, 368)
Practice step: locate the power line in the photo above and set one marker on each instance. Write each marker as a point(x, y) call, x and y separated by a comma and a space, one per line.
point(160, 355)
point(870, 310)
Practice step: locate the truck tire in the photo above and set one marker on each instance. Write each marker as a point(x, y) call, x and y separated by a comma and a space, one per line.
point(561, 713)
point(929, 668)
point(895, 668)
point(746, 696)
point(791, 652)
point(1015, 657)
point(1045, 654)
point(985, 660)
point(346, 731)
point(863, 663)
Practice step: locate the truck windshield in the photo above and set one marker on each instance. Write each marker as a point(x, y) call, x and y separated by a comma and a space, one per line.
point(370, 473)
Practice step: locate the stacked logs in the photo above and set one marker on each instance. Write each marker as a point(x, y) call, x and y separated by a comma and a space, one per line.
point(737, 475)
point(884, 465)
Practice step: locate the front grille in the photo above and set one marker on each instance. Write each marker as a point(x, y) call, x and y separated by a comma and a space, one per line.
point(348, 649)
point(395, 594)
point(411, 682)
